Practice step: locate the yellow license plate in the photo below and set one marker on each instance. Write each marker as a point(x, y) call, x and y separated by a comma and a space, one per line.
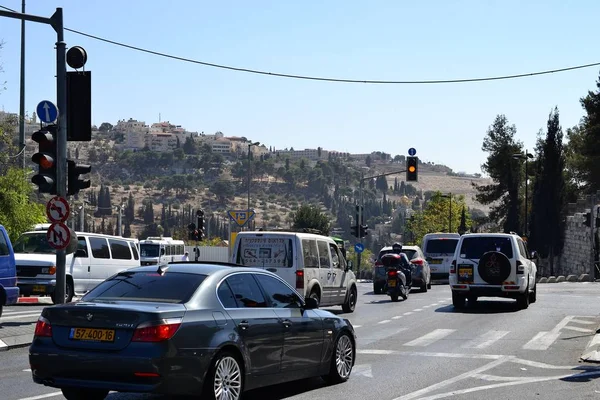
point(391, 283)
point(39, 289)
point(435, 262)
point(92, 334)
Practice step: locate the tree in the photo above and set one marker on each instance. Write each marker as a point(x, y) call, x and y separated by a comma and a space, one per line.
point(368, 161)
point(462, 228)
point(584, 144)
point(504, 170)
point(130, 209)
point(105, 127)
point(436, 216)
point(310, 216)
point(223, 190)
point(547, 226)
point(18, 212)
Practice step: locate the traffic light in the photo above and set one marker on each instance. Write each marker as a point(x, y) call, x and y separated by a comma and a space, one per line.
point(412, 168)
point(359, 210)
point(364, 230)
point(46, 159)
point(200, 223)
point(74, 184)
point(354, 231)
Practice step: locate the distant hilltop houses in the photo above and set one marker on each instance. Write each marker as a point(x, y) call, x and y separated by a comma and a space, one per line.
point(165, 136)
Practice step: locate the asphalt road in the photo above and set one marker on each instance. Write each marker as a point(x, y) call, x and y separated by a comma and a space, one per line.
point(423, 349)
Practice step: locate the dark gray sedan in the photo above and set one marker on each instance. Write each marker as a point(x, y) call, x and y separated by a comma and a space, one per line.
point(189, 329)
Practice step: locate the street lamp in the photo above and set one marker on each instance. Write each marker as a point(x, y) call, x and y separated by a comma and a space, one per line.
point(449, 197)
point(250, 172)
point(525, 156)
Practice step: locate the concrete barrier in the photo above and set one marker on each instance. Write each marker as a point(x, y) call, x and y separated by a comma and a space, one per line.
point(585, 278)
point(560, 278)
point(552, 279)
point(571, 278)
point(543, 280)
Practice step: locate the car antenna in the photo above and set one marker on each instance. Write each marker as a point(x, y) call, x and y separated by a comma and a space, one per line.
point(160, 270)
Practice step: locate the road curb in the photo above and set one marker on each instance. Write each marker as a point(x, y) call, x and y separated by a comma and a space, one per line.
point(13, 342)
point(35, 300)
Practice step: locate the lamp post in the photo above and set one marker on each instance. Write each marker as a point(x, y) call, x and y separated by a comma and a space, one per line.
point(250, 172)
point(449, 197)
point(525, 156)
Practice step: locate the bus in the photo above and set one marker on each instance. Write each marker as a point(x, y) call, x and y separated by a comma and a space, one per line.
point(161, 250)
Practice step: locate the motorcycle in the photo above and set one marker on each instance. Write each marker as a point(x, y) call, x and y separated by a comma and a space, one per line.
point(397, 284)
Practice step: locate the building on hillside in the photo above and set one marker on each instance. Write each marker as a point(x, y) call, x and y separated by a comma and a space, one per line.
point(160, 142)
point(309, 154)
point(135, 133)
point(221, 146)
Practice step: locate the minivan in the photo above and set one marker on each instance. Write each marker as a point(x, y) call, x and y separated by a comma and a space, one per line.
point(96, 258)
point(9, 292)
point(311, 263)
point(439, 249)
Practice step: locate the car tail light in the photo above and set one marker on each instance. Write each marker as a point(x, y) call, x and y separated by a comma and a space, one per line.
point(378, 263)
point(392, 273)
point(520, 267)
point(300, 279)
point(417, 261)
point(43, 328)
point(156, 332)
point(453, 267)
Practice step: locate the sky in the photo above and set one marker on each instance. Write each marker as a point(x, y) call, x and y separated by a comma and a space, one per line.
point(375, 40)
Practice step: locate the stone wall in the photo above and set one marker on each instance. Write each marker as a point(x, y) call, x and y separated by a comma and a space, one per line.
point(576, 257)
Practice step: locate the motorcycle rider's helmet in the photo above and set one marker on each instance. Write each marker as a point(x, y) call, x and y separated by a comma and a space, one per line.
point(397, 248)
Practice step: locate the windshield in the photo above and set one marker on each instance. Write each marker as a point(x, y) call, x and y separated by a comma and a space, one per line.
point(441, 246)
point(149, 250)
point(33, 243)
point(410, 253)
point(170, 287)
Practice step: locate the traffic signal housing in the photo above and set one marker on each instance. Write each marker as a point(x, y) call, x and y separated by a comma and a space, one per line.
point(354, 231)
point(200, 222)
point(412, 169)
point(364, 230)
point(74, 184)
point(46, 159)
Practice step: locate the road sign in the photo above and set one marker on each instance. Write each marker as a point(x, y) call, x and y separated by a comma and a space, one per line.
point(412, 151)
point(47, 111)
point(359, 247)
point(57, 209)
point(241, 217)
point(58, 236)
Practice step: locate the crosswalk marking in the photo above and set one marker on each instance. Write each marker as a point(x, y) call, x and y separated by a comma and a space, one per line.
point(541, 341)
point(578, 329)
point(485, 340)
point(430, 338)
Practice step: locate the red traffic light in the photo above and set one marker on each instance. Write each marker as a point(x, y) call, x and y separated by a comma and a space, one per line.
point(46, 161)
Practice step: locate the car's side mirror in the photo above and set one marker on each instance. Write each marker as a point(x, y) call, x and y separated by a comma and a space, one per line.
point(310, 303)
point(349, 265)
point(534, 254)
point(80, 253)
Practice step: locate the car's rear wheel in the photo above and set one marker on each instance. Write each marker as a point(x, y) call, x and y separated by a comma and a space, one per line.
point(532, 295)
point(69, 292)
point(225, 381)
point(458, 300)
point(350, 303)
point(342, 360)
point(84, 394)
point(523, 300)
point(315, 295)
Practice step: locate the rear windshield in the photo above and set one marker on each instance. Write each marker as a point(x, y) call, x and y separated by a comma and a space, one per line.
point(473, 248)
point(171, 287)
point(265, 252)
point(383, 253)
point(410, 253)
point(441, 246)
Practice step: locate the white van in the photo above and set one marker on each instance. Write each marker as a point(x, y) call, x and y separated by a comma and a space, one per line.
point(439, 250)
point(97, 257)
point(313, 264)
point(161, 250)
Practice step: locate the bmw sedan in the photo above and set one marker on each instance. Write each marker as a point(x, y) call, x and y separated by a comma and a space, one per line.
point(199, 329)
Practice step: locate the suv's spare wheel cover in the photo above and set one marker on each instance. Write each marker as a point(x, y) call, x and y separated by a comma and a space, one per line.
point(494, 267)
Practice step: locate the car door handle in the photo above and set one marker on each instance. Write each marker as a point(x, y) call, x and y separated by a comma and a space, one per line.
point(328, 274)
point(89, 268)
point(287, 323)
point(244, 325)
point(334, 274)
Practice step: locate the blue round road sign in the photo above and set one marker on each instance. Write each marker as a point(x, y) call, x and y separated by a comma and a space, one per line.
point(359, 248)
point(412, 151)
point(46, 111)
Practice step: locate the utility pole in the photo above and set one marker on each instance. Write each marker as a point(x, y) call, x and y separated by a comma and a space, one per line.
point(22, 95)
point(56, 21)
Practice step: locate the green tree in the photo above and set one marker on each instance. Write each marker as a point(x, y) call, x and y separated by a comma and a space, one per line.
point(310, 216)
point(18, 212)
point(547, 224)
point(105, 127)
point(436, 216)
point(501, 145)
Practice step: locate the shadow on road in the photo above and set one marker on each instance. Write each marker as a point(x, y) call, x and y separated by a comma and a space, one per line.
point(285, 390)
point(482, 307)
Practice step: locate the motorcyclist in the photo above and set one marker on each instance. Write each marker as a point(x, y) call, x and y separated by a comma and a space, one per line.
point(404, 263)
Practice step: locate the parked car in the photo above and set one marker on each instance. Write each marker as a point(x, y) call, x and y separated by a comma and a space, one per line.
point(9, 292)
point(493, 265)
point(187, 329)
point(311, 263)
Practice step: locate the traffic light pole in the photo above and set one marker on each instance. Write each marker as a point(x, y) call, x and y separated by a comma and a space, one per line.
point(56, 21)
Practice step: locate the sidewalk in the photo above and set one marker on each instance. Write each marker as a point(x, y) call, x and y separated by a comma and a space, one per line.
point(16, 330)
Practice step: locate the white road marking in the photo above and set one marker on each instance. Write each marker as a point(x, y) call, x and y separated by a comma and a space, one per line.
point(407, 313)
point(578, 329)
point(37, 314)
point(42, 396)
point(363, 369)
point(541, 341)
point(397, 317)
point(27, 370)
point(10, 313)
point(595, 340)
point(417, 309)
point(485, 340)
point(580, 321)
point(357, 326)
point(385, 321)
point(2, 345)
point(430, 354)
point(430, 338)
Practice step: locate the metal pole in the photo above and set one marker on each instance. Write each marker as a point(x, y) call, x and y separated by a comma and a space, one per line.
point(22, 104)
point(450, 220)
point(526, 195)
point(120, 222)
point(249, 177)
point(61, 167)
point(82, 218)
point(360, 219)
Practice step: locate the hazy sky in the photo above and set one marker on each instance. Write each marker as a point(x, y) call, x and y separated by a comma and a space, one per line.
point(374, 40)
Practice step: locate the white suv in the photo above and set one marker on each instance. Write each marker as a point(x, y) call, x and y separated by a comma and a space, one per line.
point(492, 265)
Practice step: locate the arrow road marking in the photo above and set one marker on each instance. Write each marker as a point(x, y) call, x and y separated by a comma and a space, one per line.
point(46, 108)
